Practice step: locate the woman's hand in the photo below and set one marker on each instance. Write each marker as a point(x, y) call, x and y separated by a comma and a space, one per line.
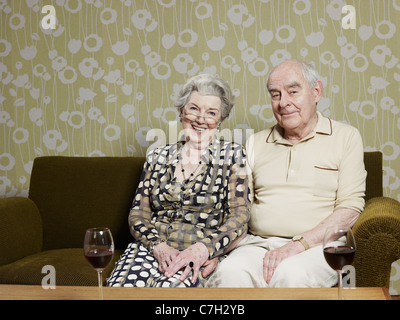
point(164, 255)
point(196, 253)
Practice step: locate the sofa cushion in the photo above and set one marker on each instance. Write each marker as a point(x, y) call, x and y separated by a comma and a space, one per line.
point(373, 165)
point(20, 229)
point(71, 269)
point(77, 193)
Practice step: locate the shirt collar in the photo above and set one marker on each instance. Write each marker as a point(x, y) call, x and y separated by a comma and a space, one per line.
point(324, 126)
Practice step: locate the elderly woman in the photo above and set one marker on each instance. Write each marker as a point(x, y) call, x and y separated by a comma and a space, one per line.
point(191, 205)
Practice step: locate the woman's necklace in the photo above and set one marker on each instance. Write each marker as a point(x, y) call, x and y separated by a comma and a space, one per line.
point(191, 174)
point(183, 170)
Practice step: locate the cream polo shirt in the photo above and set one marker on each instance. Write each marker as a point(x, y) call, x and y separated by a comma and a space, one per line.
point(295, 187)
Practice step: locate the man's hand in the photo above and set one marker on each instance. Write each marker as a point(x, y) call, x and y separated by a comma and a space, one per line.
point(274, 257)
point(209, 267)
point(314, 237)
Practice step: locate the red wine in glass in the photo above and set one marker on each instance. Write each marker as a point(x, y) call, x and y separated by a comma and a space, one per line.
point(99, 259)
point(338, 257)
point(339, 249)
point(98, 248)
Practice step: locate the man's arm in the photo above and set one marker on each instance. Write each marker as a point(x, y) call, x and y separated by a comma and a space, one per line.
point(314, 237)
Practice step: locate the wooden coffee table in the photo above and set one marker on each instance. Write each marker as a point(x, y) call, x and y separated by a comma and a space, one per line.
point(24, 292)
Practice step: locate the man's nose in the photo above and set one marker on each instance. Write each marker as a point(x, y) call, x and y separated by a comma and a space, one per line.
point(284, 101)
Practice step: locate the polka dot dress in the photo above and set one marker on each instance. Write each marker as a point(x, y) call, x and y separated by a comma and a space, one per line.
point(138, 268)
point(211, 208)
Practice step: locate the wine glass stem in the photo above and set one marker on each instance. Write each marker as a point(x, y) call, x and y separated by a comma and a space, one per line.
point(340, 284)
point(100, 285)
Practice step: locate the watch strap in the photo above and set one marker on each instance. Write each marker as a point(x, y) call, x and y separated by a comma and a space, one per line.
point(302, 241)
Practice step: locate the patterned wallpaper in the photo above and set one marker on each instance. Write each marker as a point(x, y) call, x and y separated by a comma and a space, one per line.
point(98, 77)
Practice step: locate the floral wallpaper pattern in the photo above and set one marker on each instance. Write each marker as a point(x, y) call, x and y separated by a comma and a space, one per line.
point(98, 77)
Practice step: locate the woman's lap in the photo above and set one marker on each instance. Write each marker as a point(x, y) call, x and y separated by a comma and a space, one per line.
point(138, 268)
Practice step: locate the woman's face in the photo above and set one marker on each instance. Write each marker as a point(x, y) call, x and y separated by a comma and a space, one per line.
point(200, 118)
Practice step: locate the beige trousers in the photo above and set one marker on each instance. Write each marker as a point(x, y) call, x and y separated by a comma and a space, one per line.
point(243, 267)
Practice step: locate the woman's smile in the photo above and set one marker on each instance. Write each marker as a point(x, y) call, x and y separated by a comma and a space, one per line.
point(200, 118)
point(198, 129)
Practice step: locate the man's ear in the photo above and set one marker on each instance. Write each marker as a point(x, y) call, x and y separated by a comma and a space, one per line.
point(318, 89)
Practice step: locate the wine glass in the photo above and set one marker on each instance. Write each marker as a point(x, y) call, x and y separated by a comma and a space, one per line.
point(339, 247)
point(98, 248)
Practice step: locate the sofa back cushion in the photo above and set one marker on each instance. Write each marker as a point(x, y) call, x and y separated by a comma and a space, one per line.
point(374, 183)
point(20, 229)
point(77, 193)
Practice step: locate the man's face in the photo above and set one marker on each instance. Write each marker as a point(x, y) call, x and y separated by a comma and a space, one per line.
point(294, 103)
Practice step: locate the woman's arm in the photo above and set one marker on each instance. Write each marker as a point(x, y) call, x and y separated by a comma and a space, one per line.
point(236, 209)
point(234, 226)
point(140, 216)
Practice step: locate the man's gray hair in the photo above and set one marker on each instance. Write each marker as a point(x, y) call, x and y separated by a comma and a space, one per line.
point(309, 73)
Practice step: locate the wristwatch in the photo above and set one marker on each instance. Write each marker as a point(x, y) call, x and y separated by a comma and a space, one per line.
point(302, 240)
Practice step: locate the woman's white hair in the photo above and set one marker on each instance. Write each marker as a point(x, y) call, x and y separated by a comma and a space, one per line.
point(207, 84)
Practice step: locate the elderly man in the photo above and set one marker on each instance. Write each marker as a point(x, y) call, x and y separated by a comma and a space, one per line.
point(307, 174)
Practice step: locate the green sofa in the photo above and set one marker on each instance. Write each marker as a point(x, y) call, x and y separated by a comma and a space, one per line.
point(67, 195)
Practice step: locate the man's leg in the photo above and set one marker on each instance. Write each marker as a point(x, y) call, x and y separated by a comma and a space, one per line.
point(242, 268)
point(306, 269)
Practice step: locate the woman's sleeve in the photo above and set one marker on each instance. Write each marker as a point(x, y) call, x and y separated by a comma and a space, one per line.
point(237, 207)
point(140, 216)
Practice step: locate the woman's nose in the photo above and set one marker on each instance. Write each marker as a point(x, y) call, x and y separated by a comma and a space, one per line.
point(200, 119)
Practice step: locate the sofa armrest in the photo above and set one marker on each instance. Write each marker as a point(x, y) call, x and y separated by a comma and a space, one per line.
point(21, 232)
point(377, 233)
